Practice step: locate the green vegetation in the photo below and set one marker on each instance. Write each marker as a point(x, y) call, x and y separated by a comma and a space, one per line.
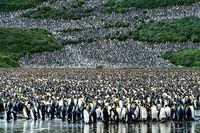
point(17, 42)
point(122, 5)
point(56, 13)
point(75, 10)
point(176, 30)
point(188, 57)
point(116, 24)
point(116, 36)
point(99, 66)
point(10, 5)
point(77, 3)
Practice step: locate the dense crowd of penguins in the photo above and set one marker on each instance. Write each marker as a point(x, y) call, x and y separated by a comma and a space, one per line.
point(109, 53)
point(111, 96)
point(154, 107)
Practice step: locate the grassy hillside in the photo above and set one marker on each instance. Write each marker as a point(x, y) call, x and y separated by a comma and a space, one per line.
point(10, 5)
point(17, 42)
point(76, 10)
point(175, 30)
point(121, 5)
point(188, 57)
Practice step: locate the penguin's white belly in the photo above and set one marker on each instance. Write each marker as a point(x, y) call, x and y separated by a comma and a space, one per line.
point(154, 113)
point(168, 112)
point(79, 103)
point(98, 112)
point(109, 108)
point(119, 112)
point(123, 114)
point(162, 114)
point(192, 110)
point(86, 116)
point(136, 112)
point(144, 114)
point(120, 104)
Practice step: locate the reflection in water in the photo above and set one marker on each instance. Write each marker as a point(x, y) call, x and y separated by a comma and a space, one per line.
point(29, 126)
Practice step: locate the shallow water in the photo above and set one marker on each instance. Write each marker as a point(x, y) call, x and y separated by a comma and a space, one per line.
point(57, 126)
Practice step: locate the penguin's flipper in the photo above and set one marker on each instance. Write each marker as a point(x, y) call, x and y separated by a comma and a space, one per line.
point(40, 113)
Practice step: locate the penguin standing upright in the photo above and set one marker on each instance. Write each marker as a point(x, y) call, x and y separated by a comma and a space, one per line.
point(93, 114)
point(174, 112)
point(154, 112)
point(14, 110)
point(63, 109)
point(70, 109)
point(188, 113)
point(98, 113)
point(168, 112)
point(114, 115)
point(74, 114)
point(119, 110)
point(26, 110)
point(33, 112)
point(180, 112)
point(137, 113)
point(79, 109)
point(124, 116)
point(43, 110)
point(86, 116)
point(105, 115)
point(192, 112)
point(8, 112)
point(162, 114)
point(52, 113)
point(144, 113)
